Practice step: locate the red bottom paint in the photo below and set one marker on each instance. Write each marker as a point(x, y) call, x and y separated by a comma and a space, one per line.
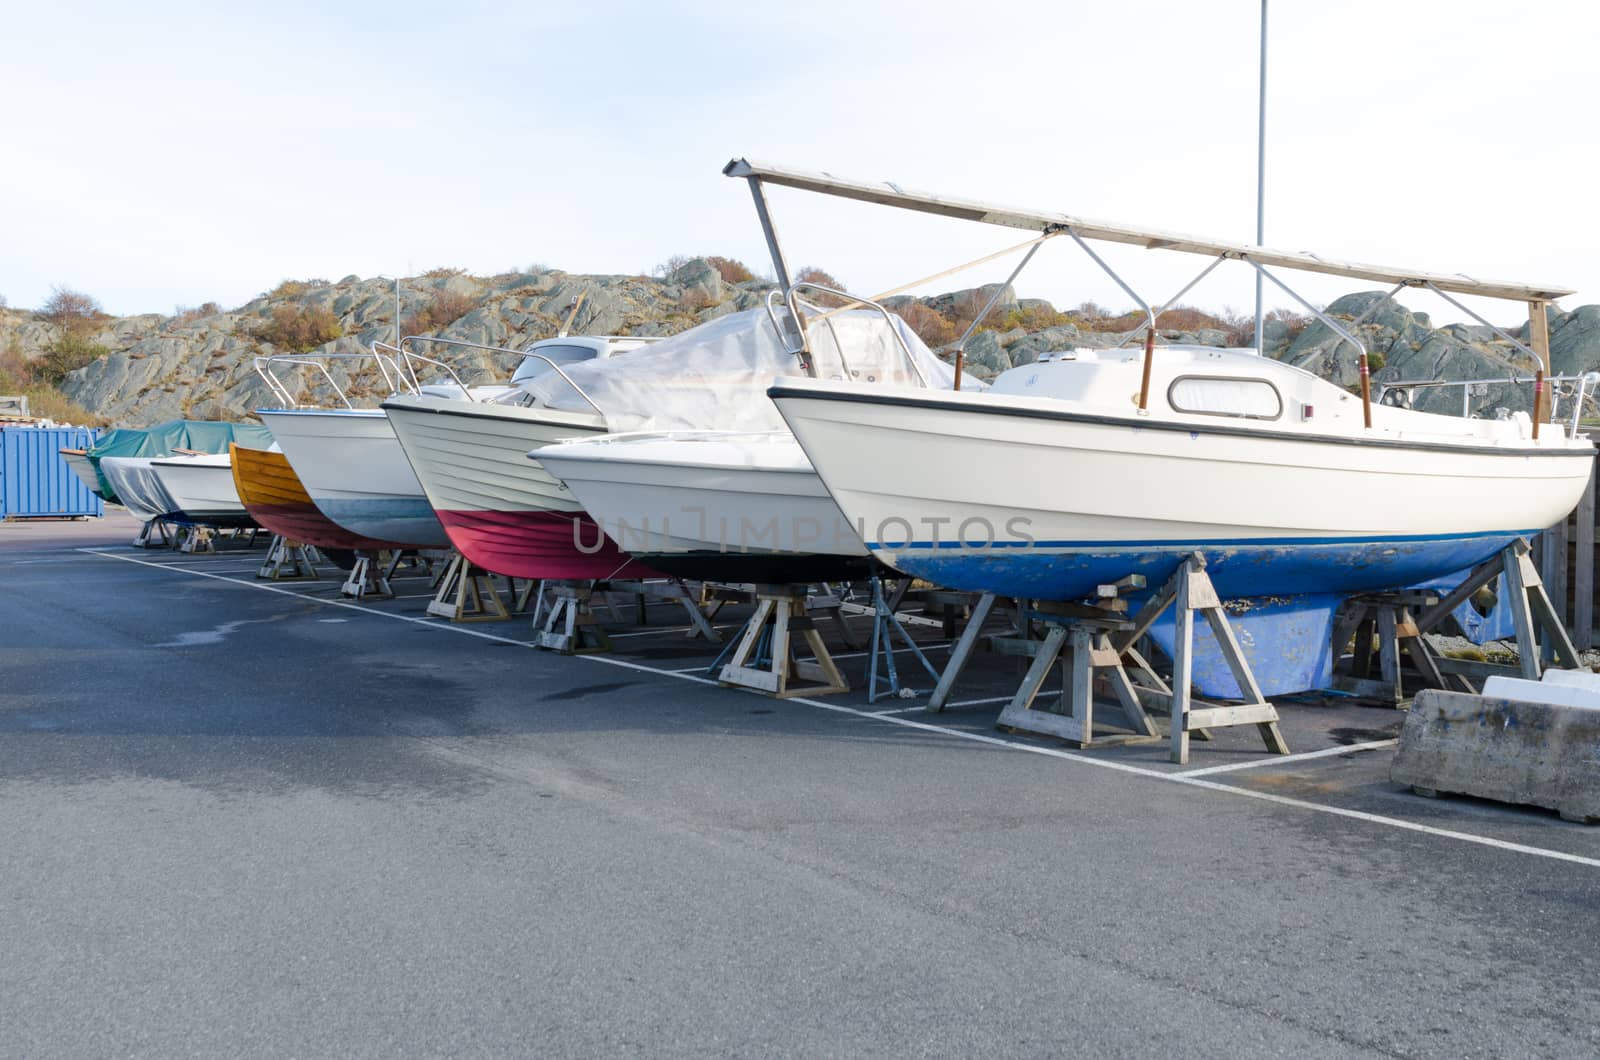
point(539, 545)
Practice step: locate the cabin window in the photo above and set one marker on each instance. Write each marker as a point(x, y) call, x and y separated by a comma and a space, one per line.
point(532, 367)
point(1213, 395)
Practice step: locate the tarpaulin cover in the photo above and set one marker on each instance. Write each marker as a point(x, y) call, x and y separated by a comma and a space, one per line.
point(164, 439)
point(715, 376)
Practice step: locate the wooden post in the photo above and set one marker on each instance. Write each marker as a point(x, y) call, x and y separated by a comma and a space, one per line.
point(1583, 570)
point(1539, 342)
point(1539, 333)
point(1366, 391)
point(1149, 355)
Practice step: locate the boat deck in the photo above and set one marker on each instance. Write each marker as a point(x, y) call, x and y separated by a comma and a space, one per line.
point(420, 834)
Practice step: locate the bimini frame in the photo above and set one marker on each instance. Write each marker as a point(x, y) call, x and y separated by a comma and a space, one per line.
point(1536, 296)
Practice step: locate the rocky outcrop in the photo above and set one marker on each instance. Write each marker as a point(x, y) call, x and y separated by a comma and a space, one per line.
point(202, 363)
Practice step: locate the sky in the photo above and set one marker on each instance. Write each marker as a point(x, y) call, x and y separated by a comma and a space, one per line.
point(166, 154)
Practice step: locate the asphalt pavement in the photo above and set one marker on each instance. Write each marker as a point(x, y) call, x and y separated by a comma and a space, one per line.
point(256, 820)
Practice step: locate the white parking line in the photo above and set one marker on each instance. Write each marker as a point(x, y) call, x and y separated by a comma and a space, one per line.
point(941, 730)
point(1277, 760)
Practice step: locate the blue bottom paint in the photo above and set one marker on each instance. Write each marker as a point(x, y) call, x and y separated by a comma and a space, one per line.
point(407, 519)
point(1237, 569)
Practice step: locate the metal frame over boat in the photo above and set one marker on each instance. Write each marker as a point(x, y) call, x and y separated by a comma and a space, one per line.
point(1089, 466)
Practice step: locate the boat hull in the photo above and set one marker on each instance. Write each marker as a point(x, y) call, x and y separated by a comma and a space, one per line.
point(137, 487)
point(275, 498)
point(79, 463)
point(973, 494)
point(501, 510)
point(202, 489)
point(355, 472)
point(713, 505)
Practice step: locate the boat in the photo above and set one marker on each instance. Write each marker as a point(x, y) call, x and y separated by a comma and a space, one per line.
point(352, 464)
point(134, 484)
point(355, 472)
point(79, 464)
point(1089, 466)
point(1050, 484)
point(273, 495)
point(718, 505)
point(480, 461)
point(502, 512)
point(201, 489)
point(164, 439)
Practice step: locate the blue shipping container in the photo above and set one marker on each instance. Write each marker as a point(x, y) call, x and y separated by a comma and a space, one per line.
point(35, 481)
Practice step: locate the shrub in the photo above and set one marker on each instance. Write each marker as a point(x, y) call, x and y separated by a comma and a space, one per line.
point(295, 288)
point(443, 272)
point(73, 311)
point(188, 314)
point(64, 355)
point(931, 326)
point(299, 328)
point(443, 309)
point(731, 270)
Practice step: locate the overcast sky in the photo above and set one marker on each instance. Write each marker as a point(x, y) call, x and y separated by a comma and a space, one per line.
point(160, 154)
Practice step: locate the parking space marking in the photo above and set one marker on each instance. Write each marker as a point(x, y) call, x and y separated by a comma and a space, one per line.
point(996, 742)
point(1276, 760)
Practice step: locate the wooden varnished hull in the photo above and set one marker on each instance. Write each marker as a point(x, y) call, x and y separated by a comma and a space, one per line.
point(273, 495)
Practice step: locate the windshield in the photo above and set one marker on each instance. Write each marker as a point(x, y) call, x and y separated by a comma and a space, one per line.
point(533, 367)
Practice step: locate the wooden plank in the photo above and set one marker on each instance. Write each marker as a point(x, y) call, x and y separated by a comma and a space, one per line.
point(1475, 668)
point(1077, 691)
point(1517, 578)
point(1554, 567)
point(1182, 667)
point(961, 654)
point(1389, 652)
point(1583, 570)
point(1221, 717)
point(1482, 575)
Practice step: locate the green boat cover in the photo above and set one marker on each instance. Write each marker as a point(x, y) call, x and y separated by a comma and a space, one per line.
point(164, 439)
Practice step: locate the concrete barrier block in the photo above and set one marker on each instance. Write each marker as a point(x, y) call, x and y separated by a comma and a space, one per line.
point(1535, 754)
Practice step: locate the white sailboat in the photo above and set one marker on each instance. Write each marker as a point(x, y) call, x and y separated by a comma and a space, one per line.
point(1089, 466)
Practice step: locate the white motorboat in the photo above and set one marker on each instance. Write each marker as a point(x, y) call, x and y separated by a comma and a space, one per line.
point(136, 486)
point(1052, 482)
point(202, 490)
point(508, 514)
point(353, 468)
point(730, 505)
point(501, 511)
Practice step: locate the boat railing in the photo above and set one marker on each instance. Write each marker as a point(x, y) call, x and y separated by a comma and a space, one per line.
point(1580, 388)
point(382, 354)
point(411, 358)
point(851, 301)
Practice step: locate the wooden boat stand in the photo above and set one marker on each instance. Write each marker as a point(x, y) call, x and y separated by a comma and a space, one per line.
point(289, 561)
point(1400, 636)
point(763, 656)
point(464, 593)
point(568, 621)
point(885, 624)
point(371, 573)
point(154, 534)
point(1096, 643)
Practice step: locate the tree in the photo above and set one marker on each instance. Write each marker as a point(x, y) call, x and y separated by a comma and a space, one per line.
point(73, 311)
